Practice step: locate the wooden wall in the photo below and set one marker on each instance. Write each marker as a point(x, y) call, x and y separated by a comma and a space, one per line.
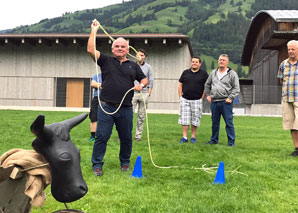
point(267, 55)
point(266, 88)
point(28, 74)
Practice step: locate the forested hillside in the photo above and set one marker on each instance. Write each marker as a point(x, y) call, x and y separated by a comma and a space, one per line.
point(214, 26)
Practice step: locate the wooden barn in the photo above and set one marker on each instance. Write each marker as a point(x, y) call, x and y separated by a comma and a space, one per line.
point(264, 49)
point(55, 70)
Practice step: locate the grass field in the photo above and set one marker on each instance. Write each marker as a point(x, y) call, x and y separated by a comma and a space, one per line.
point(262, 152)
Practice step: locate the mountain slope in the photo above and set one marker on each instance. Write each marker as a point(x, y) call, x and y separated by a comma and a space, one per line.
point(214, 26)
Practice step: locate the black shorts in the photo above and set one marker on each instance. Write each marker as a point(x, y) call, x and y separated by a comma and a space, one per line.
point(93, 109)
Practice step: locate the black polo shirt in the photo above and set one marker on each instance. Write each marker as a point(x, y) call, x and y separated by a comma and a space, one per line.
point(193, 84)
point(117, 78)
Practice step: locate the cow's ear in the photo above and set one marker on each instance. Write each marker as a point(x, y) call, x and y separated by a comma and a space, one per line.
point(37, 125)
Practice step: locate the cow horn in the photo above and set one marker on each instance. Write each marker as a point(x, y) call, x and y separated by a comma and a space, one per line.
point(72, 122)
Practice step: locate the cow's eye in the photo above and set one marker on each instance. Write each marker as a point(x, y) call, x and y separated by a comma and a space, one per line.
point(65, 156)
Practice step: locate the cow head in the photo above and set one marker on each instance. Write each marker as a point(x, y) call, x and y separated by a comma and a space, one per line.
point(54, 143)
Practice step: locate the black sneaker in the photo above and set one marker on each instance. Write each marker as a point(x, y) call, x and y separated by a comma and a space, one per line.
point(295, 153)
point(97, 172)
point(211, 142)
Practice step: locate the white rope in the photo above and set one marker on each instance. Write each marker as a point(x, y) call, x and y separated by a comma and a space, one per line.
point(208, 170)
point(97, 72)
point(203, 168)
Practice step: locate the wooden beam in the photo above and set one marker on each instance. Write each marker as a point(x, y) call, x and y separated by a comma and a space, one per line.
point(146, 42)
point(61, 41)
point(180, 42)
point(31, 42)
point(44, 41)
point(16, 173)
point(15, 42)
point(80, 42)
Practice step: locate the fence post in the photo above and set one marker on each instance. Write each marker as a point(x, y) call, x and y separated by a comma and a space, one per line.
point(253, 94)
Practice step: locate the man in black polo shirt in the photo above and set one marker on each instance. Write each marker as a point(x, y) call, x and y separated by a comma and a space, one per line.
point(191, 94)
point(118, 76)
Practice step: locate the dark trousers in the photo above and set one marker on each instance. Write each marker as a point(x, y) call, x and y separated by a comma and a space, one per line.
point(123, 120)
point(218, 109)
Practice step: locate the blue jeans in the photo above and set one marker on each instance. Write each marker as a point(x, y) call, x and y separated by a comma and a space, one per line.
point(123, 120)
point(218, 109)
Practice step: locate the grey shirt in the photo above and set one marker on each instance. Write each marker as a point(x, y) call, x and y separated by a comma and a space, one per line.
point(221, 89)
point(147, 70)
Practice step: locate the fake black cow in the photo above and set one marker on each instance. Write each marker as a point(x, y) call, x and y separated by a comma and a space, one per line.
point(54, 143)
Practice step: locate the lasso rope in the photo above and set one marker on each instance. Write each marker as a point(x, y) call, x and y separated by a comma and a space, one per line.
point(35, 167)
point(112, 39)
point(203, 168)
point(96, 67)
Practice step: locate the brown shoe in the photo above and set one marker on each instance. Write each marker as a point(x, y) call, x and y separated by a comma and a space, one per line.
point(124, 168)
point(97, 172)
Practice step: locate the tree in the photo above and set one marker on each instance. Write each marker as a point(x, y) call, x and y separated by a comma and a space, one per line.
point(212, 65)
point(240, 72)
point(203, 65)
point(239, 9)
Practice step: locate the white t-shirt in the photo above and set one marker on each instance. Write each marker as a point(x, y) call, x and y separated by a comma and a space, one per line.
point(220, 75)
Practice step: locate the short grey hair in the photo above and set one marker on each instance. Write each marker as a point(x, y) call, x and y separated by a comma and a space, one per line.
point(295, 42)
point(120, 38)
point(224, 55)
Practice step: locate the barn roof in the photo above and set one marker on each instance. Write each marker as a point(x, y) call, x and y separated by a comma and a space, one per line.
point(256, 25)
point(82, 38)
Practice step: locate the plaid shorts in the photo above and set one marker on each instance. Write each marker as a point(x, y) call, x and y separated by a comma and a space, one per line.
point(190, 111)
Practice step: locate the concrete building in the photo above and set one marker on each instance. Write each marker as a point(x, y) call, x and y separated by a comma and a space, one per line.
point(55, 70)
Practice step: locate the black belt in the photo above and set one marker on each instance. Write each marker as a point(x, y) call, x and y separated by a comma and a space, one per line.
point(111, 104)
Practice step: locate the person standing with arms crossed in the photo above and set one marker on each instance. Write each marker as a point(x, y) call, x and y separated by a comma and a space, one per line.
point(191, 94)
point(221, 88)
point(288, 75)
point(138, 100)
point(118, 76)
point(95, 84)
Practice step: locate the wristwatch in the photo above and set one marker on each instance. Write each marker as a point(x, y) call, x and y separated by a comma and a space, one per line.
point(142, 85)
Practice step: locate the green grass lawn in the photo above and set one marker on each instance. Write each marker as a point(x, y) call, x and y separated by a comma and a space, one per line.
point(262, 152)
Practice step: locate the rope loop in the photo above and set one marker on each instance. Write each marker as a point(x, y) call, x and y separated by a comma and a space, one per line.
point(203, 168)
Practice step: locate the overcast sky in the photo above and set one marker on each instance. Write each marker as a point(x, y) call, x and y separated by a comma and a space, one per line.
point(15, 13)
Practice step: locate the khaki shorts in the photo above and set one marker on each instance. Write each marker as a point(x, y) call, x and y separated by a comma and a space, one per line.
point(290, 115)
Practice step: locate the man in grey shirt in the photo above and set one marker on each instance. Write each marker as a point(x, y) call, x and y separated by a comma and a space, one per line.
point(138, 100)
point(221, 88)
